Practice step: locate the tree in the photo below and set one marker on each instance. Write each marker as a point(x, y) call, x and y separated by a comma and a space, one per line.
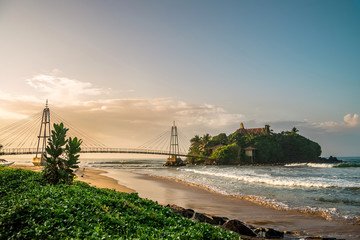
point(226, 154)
point(294, 131)
point(220, 139)
point(195, 140)
point(61, 156)
point(204, 147)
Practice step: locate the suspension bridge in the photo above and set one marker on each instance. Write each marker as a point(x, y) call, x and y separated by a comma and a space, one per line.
point(30, 136)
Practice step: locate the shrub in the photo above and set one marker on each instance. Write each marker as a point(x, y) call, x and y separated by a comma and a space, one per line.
point(30, 210)
point(59, 159)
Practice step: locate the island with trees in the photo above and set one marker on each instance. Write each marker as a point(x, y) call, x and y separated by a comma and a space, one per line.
point(254, 146)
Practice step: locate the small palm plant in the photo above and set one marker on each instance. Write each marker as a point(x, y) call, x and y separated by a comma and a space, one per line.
point(61, 156)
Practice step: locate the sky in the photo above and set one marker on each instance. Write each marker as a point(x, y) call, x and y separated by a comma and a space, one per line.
point(123, 71)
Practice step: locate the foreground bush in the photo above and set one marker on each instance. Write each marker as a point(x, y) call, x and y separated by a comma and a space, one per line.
point(61, 156)
point(31, 210)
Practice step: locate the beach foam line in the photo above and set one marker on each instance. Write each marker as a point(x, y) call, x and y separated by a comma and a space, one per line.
point(330, 214)
point(324, 165)
point(277, 181)
point(315, 165)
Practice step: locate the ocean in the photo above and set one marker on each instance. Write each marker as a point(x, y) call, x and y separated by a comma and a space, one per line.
point(329, 190)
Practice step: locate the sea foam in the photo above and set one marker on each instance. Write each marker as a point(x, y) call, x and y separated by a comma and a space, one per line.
point(308, 182)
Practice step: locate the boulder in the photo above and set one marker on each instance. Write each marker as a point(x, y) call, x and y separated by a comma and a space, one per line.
point(188, 213)
point(220, 220)
point(200, 217)
point(320, 238)
point(238, 227)
point(268, 233)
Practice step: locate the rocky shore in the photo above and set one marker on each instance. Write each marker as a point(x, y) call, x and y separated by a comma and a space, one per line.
point(246, 231)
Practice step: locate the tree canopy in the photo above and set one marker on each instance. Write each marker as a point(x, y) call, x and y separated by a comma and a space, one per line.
point(270, 148)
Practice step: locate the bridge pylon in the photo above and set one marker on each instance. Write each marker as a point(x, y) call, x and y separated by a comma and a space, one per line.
point(43, 137)
point(174, 159)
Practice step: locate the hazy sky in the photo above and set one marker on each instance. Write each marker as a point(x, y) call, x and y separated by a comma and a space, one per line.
point(124, 70)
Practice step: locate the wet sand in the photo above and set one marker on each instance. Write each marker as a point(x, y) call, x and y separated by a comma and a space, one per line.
point(166, 191)
point(97, 179)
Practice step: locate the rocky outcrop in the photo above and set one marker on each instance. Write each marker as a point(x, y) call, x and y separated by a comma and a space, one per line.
point(238, 227)
point(188, 213)
point(331, 159)
point(246, 231)
point(268, 233)
point(213, 220)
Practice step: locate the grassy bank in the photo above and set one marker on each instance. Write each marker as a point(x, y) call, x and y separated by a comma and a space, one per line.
point(31, 209)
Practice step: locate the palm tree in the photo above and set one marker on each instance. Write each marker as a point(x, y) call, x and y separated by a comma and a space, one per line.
point(294, 130)
point(195, 140)
point(205, 143)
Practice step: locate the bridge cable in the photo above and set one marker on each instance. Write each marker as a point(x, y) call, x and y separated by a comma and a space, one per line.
point(184, 142)
point(87, 140)
point(20, 128)
point(151, 141)
point(164, 141)
point(30, 134)
point(17, 123)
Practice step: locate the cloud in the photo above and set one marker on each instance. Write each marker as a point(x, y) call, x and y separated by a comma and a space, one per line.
point(62, 90)
point(350, 121)
point(163, 110)
point(118, 122)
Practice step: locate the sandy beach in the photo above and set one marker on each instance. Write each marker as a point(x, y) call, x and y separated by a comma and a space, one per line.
point(91, 176)
point(166, 191)
point(96, 178)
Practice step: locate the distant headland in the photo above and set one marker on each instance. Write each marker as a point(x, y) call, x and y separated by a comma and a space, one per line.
point(255, 146)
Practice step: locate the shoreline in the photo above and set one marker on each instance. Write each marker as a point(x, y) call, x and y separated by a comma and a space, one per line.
point(96, 178)
point(169, 191)
point(259, 202)
point(173, 191)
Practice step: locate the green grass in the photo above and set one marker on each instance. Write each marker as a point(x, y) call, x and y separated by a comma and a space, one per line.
point(29, 209)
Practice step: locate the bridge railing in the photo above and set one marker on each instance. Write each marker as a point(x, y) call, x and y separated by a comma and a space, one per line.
point(17, 151)
point(23, 151)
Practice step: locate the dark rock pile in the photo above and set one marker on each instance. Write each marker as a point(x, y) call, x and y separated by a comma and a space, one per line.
point(246, 231)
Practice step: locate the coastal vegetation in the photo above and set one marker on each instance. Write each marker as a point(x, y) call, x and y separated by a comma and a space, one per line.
point(51, 205)
point(62, 156)
point(32, 209)
point(260, 146)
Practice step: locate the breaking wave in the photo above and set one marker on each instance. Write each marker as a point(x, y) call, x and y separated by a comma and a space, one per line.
point(308, 182)
point(324, 165)
point(316, 165)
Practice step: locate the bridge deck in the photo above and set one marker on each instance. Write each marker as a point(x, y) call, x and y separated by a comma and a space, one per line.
point(23, 151)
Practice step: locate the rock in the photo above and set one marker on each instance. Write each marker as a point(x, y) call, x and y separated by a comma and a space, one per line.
point(238, 227)
point(320, 238)
point(220, 220)
point(204, 218)
point(213, 220)
point(268, 233)
point(176, 208)
point(188, 213)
